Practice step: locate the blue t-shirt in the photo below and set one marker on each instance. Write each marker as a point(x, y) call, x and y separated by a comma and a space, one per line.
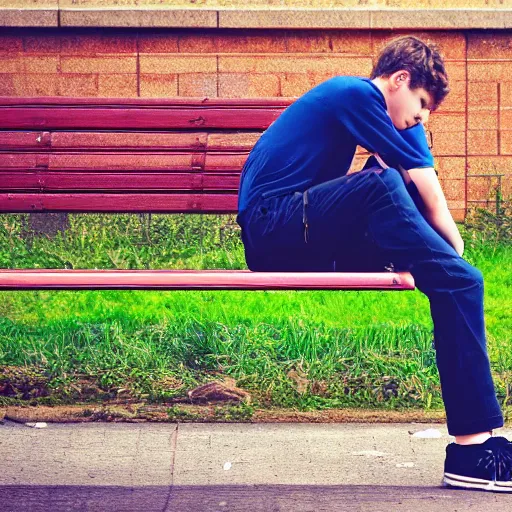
point(314, 140)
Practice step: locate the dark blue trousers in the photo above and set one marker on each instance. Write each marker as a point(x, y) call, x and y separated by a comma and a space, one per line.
point(368, 221)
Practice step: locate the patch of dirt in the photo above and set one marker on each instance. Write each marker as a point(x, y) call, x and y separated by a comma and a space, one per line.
point(218, 392)
point(142, 412)
point(219, 401)
point(23, 383)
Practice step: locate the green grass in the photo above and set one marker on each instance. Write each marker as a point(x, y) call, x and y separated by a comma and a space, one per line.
point(348, 348)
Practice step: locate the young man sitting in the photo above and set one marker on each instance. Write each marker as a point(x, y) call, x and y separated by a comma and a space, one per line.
point(300, 211)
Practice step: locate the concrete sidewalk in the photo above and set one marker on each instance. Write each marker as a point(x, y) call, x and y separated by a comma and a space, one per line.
point(195, 467)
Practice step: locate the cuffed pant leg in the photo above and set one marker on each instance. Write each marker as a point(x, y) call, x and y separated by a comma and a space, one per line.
point(455, 291)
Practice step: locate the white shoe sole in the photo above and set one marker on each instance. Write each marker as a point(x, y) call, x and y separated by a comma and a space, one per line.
point(466, 482)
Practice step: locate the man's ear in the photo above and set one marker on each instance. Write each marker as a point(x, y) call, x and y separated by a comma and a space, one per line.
point(399, 78)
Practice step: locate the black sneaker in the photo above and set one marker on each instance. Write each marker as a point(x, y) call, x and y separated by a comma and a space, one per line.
point(486, 466)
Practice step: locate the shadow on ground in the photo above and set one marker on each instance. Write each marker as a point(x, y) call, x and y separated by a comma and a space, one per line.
point(254, 498)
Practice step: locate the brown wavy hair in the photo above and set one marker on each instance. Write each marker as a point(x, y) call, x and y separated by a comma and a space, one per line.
point(423, 61)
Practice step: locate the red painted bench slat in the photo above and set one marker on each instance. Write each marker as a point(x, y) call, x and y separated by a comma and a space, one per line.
point(129, 140)
point(85, 181)
point(124, 161)
point(53, 118)
point(83, 141)
point(119, 203)
point(70, 102)
point(201, 280)
point(100, 161)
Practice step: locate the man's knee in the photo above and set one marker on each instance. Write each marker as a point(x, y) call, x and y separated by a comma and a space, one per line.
point(461, 269)
point(475, 274)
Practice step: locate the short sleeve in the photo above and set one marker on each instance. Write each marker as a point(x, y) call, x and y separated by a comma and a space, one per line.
point(416, 136)
point(363, 112)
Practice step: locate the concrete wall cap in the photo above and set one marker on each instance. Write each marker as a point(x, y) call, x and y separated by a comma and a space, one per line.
point(104, 13)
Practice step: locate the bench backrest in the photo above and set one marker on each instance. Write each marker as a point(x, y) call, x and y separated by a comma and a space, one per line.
point(127, 155)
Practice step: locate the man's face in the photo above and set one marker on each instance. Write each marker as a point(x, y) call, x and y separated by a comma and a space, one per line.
point(407, 107)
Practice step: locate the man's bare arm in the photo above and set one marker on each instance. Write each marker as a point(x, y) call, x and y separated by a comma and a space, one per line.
point(435, 208)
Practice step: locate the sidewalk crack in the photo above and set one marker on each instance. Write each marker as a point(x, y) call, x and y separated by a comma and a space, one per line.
point(174, 442)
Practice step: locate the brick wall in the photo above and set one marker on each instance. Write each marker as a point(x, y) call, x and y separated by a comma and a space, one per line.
point(472, 131)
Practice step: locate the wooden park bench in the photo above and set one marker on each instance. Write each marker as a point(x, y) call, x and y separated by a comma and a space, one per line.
point(176, 155)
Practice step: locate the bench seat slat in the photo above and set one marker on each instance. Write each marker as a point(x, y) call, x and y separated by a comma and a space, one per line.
point(119, 203)
point(28, 279)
